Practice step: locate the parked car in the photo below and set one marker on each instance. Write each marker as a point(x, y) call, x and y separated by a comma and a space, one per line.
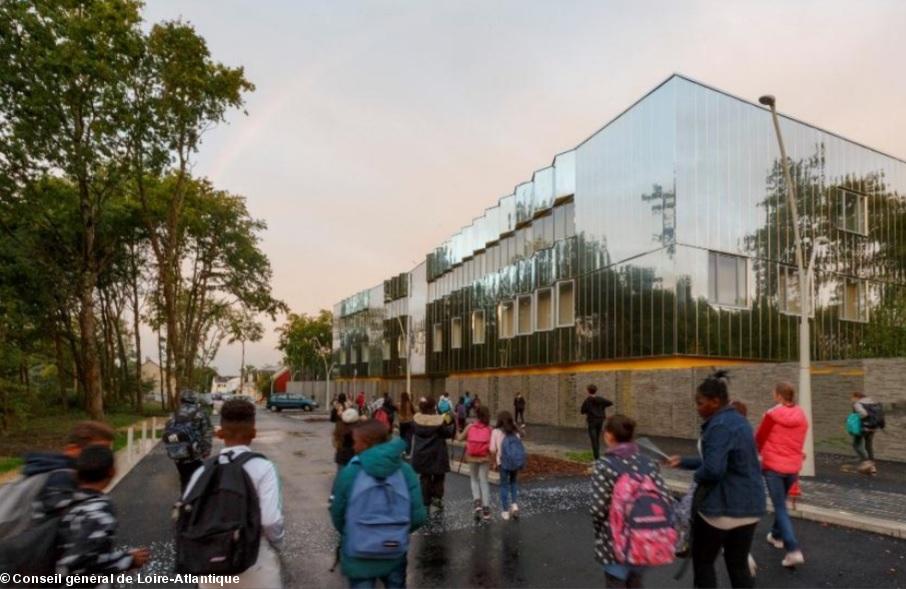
point(279, 402)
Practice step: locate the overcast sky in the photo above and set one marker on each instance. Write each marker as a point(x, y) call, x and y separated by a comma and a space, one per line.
point(378, 129)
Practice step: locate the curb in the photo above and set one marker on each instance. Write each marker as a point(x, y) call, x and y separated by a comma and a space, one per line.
point(824, 515)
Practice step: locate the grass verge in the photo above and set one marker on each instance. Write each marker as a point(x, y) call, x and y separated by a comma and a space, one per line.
point(584, 456)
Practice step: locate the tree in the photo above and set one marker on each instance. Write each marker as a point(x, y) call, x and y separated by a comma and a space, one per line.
point(303, 341)
point(178, 92)
point(64, 73)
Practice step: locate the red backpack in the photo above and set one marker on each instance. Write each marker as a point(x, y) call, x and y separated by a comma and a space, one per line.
point(641, 520)
point(382, 416)
point(478, 440)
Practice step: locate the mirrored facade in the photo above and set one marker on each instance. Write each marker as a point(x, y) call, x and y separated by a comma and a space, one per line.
point(666, 233)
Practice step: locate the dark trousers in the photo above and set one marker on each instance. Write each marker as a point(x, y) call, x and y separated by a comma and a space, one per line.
point(867, 440)
point(432, 487)
point(407, 429)
point(520, 416)
point(706, 544)
point(186, 470)
point(594, 433)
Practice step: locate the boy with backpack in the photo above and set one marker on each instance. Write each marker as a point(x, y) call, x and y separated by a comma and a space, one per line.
point(871, 417)
point(478, 454)
point(508, 454)
point(187, 437)
point(31, 506)
point(444, 406)
point(377, 504)
point(230, 520)
point(88, 529)
point(632, 511)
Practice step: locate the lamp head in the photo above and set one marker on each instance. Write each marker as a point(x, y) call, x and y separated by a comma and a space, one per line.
point(768, 100)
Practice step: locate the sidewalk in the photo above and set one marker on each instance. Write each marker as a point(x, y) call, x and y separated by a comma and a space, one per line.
point(836, 495)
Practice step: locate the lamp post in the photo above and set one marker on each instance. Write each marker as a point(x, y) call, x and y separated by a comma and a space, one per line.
point(805, 288)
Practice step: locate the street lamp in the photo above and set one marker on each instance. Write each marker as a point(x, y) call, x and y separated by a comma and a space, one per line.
point(805, 288)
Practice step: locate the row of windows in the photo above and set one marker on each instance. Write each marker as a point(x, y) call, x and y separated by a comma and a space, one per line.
point(540, 234)
point(728, 285)
point(540, 311)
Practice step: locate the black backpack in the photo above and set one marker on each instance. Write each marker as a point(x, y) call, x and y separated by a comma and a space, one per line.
point(218, 525)
point(875, 418)
point(182, 439)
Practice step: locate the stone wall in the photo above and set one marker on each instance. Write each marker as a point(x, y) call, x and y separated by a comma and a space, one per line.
point(663, 401)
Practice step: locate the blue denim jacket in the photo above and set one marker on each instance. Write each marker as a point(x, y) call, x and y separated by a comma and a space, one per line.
point(728, 467)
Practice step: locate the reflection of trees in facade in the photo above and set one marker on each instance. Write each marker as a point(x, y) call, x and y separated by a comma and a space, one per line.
point(663, 205)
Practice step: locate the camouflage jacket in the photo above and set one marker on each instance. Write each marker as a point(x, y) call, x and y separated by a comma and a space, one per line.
point(87, 537)
point(202, 423)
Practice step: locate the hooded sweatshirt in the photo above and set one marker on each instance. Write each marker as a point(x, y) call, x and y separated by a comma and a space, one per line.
point(379, 461)
point(780, 439)
point(60, 485)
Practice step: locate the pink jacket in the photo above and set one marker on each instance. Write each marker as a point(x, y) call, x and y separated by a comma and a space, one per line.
point(780, 438)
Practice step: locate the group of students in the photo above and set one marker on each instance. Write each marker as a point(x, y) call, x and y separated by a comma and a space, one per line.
point(378, 498)
point(228, 522)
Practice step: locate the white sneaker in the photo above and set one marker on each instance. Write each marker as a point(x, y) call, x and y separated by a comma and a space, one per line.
point(793, 558)
point(505, 515)
point(775, 542)
point(514, 511)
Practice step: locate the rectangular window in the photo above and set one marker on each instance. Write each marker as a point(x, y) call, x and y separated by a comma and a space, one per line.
point(544, 309)
point(524, 315)
point(477, 327)
point(566, 303)
point(520, 244)
point(854, 212)
point(366, 353)
point(456, 333)
point(343, 356)
point(855, 300)
point(437, 344)
point(788, 292)
point(727, 280)
point(564, 221)
point(355, 354)
point(506, 319)
point(385, 349)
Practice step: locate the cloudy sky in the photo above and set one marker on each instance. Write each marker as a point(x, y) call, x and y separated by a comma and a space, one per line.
point(378, 129)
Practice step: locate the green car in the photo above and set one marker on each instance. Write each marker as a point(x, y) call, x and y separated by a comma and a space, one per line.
point(280, 402)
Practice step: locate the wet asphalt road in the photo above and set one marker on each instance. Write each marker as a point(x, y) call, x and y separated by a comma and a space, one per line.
point(550, 546)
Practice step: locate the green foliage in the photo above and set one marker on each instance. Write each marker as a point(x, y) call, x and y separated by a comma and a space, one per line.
point(306, 342)
point(584, 456)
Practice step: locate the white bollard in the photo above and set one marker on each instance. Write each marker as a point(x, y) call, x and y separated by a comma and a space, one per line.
point(153, 428)
point(130, 435)
point(144, 435)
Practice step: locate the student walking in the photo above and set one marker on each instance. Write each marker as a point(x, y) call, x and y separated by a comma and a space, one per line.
point(780, 439)
point(508, 455)
point(462, 413)
point(204, 503)
point(478, 456)
point(87, 533)
point(730, 495)
point(594, 408)
point(632, 511)
point(406, 416)
point(519, 409)
point(377, 505)
point(187, 437)
point(444, 405)
point(342, 437)
point(429, 451)
point(871, 417)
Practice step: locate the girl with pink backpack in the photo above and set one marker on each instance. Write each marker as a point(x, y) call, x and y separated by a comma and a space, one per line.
point(478, 455)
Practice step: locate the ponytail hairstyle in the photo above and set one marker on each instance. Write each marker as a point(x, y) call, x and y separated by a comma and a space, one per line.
point(716, 386)
point(506, 423)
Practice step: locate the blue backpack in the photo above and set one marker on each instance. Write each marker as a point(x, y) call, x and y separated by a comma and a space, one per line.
point(854, 424)
point(512, 453)
point(378, 517)
point(443, 406)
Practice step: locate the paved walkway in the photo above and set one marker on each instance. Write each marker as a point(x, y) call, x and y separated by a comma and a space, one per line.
point(837, 494)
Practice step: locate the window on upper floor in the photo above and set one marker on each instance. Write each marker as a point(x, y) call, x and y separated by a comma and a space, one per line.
point(855, 300)
point(853, 212)
point(566, 303)
point(385, 349)
point(544, 309)
point(524, 315)
point(478, 327)
point(727, 280)
point(365, 353)
point(456, 333)
point(437, 343)
point(506, 319)
point(788, 292)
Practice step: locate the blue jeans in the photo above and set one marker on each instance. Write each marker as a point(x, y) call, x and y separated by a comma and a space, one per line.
point(778, 488)
point(396, 579)
point(508, 489)
point(623, 575)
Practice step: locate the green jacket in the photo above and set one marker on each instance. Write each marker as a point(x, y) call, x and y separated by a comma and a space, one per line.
point(379, 461)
